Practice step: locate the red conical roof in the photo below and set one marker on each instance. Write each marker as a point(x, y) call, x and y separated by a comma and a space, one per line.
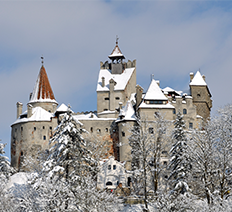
point(42, 90)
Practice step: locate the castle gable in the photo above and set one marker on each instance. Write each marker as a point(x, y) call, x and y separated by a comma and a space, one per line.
point(154, 92)
point(198, 80)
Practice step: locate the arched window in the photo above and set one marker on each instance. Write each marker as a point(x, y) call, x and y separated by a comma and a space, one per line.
point(109, 183)
point(184, 111)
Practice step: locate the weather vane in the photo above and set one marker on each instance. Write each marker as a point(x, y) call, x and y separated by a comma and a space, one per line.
point(42, 59)
point(117, 39)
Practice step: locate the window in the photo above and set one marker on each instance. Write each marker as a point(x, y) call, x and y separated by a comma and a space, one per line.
point(15, 129)
point(91, 129)
point(123, 134)
point(50, 128)
point(117, 98)
point(105, 109)
point(198, 95)
point(44, 137)
point(107, 98)
point(109, 183)
point(128, 181)
point(165, 163)
point(98, 130)
point(106, 129)
point(190, 125)
point(43, 127)
point(151, 130)
point(164, 152)
point(34, 128)
point(109, 167)
point(184, 111)
point(21, 128)
point(114, 167)
point(174, 111)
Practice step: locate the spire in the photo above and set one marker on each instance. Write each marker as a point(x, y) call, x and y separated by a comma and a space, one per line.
point(42, 91)
point(116, 53)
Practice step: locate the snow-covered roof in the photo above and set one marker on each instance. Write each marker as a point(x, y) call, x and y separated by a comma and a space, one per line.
point(168, 89)
point(63, 108)
point(198, 80)
point(116, 53)
point(42, 91)
point(127, 113)
point(157, 106)
point(38, 114)
point(154, 92)
point(86, 116)
point(120, 79)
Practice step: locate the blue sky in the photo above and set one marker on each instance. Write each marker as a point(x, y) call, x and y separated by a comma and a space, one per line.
point(169, 39)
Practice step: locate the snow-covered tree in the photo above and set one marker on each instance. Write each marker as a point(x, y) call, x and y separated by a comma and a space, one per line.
point(5, 172)
point(147, 143)
point(66, 181)
point(223, 145)
point(5, 167)
point(180, 161)
point(203, 155)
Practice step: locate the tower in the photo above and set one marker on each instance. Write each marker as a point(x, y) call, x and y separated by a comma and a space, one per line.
point(116, 83)
point(33, 128)
point(200, 94)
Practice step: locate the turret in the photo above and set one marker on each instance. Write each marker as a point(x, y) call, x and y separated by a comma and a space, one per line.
point(201, 95)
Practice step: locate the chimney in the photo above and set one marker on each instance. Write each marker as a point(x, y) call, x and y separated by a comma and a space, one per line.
point(158, 82)
point(29, 110)
point(191, 76)
point(19, 109)
point(120, 105)
point(103, 81)
point(139, 93)
point(203, 76)
point(54, 106)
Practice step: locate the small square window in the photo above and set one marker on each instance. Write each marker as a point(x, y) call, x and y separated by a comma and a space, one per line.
point(190, 125)
point(151, 130)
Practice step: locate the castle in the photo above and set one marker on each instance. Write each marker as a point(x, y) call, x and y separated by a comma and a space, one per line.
point(120, 101)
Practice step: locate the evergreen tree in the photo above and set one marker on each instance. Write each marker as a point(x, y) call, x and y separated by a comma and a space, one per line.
point(67, 181)
point(180, 165)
